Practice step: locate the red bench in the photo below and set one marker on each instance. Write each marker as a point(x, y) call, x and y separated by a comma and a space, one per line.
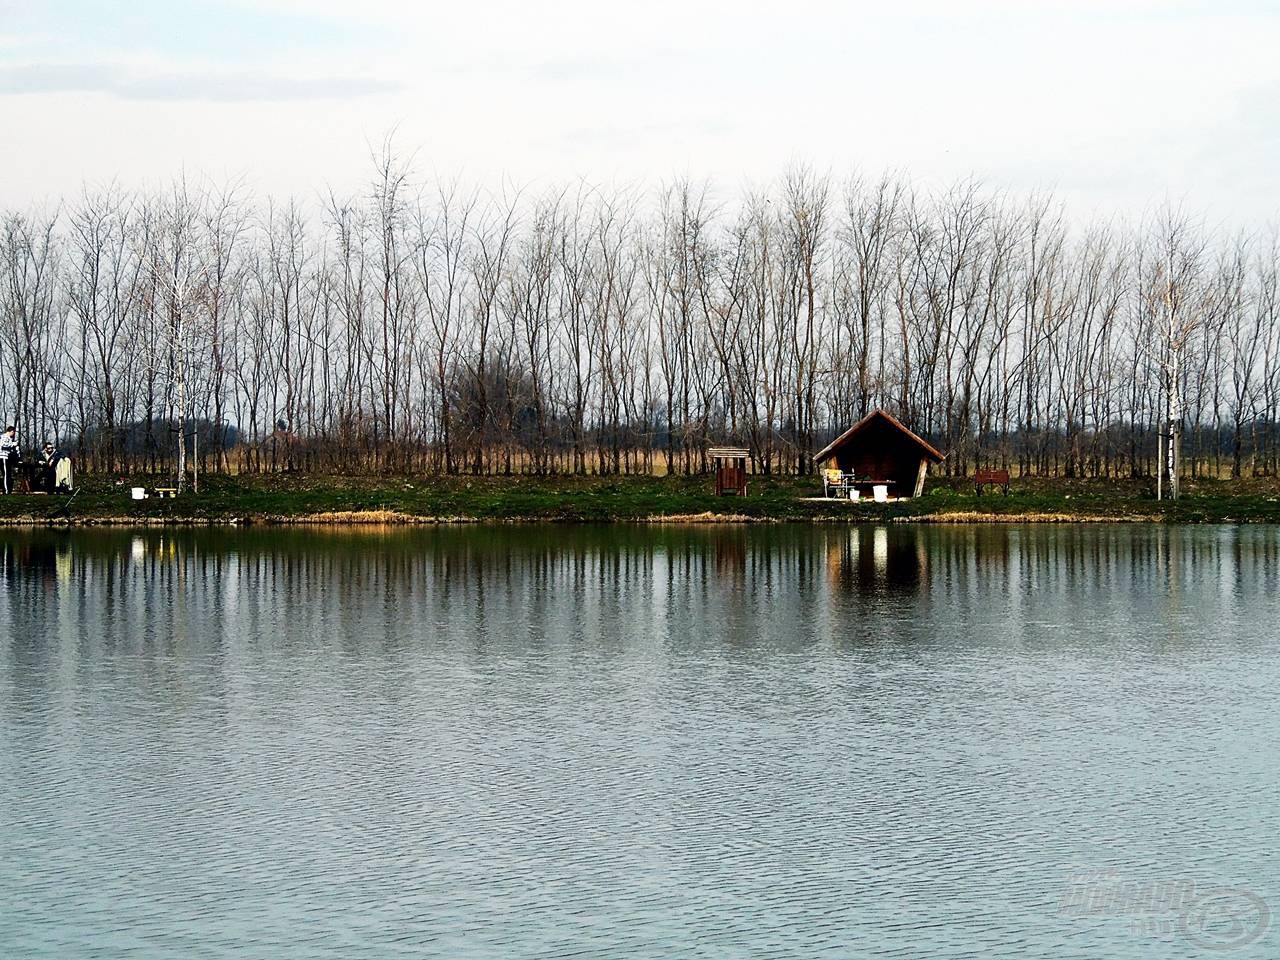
point(998, 478)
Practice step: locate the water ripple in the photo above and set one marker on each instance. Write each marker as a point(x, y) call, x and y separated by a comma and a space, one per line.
point(610, 742)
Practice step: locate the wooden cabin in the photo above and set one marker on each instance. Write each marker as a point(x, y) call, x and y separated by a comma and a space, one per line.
point(879, 450)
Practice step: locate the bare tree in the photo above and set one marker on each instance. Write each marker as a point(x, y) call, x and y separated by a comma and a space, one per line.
point(428, 326)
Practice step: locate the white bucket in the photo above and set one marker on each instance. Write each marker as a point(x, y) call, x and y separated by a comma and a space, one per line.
point(854, 494)
point(139, 493)
point(881, 492)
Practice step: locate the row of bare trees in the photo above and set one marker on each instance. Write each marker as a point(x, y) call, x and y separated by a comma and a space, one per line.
point(432, 327)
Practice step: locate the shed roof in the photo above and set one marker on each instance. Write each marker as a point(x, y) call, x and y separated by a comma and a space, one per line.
point(926, 448)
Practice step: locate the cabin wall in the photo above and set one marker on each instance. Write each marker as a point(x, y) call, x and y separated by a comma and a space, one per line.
point(879, 465)
point(882, 453)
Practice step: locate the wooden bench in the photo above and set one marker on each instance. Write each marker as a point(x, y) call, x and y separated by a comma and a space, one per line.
point(997, 478)
point(166, 492)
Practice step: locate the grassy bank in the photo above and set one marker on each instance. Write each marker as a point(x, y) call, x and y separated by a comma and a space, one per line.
point(331, 499)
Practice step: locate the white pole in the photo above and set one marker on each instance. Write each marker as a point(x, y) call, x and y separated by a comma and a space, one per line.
point(1159, 464)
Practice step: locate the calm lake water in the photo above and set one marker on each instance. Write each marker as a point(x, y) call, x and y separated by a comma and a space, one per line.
point(560, 741)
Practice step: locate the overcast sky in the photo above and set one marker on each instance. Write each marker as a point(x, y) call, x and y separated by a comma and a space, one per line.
point(1116, 104)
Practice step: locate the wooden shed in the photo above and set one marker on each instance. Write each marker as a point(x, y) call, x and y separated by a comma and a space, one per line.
point(878, 449)
point(730, 464)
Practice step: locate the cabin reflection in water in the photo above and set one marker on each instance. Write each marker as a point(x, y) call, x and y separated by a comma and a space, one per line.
point(877, 560)
point(731, 556)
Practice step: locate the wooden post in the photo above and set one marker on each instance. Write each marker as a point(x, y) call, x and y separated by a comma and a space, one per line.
point(924, 468)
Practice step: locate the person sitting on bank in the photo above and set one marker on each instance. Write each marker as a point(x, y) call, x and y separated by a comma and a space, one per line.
point(49, 458)
point(10, 457)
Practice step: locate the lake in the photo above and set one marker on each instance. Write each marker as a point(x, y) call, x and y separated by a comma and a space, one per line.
point(640, 741)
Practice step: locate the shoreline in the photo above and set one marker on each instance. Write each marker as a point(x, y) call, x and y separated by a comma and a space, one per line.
point(364, 519)
point(339, 500)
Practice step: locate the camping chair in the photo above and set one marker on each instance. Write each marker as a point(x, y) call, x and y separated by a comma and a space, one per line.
point(832, 478)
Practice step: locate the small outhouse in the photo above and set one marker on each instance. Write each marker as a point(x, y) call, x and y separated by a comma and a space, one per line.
point(730, 465)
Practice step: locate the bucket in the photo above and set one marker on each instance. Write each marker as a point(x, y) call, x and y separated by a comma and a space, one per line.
point(139, 493)
point(881, 492)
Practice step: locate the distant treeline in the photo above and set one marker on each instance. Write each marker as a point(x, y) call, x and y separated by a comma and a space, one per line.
point(428, 327)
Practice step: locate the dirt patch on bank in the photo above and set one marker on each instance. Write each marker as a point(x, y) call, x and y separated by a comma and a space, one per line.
point(381, 517)
point(707, 517)
point(972, 516)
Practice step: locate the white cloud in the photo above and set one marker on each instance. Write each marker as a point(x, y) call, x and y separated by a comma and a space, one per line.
point(214, 85)
point(1114, 102)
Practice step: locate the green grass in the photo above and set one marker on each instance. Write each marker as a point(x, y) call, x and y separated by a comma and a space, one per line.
point(281, 498)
